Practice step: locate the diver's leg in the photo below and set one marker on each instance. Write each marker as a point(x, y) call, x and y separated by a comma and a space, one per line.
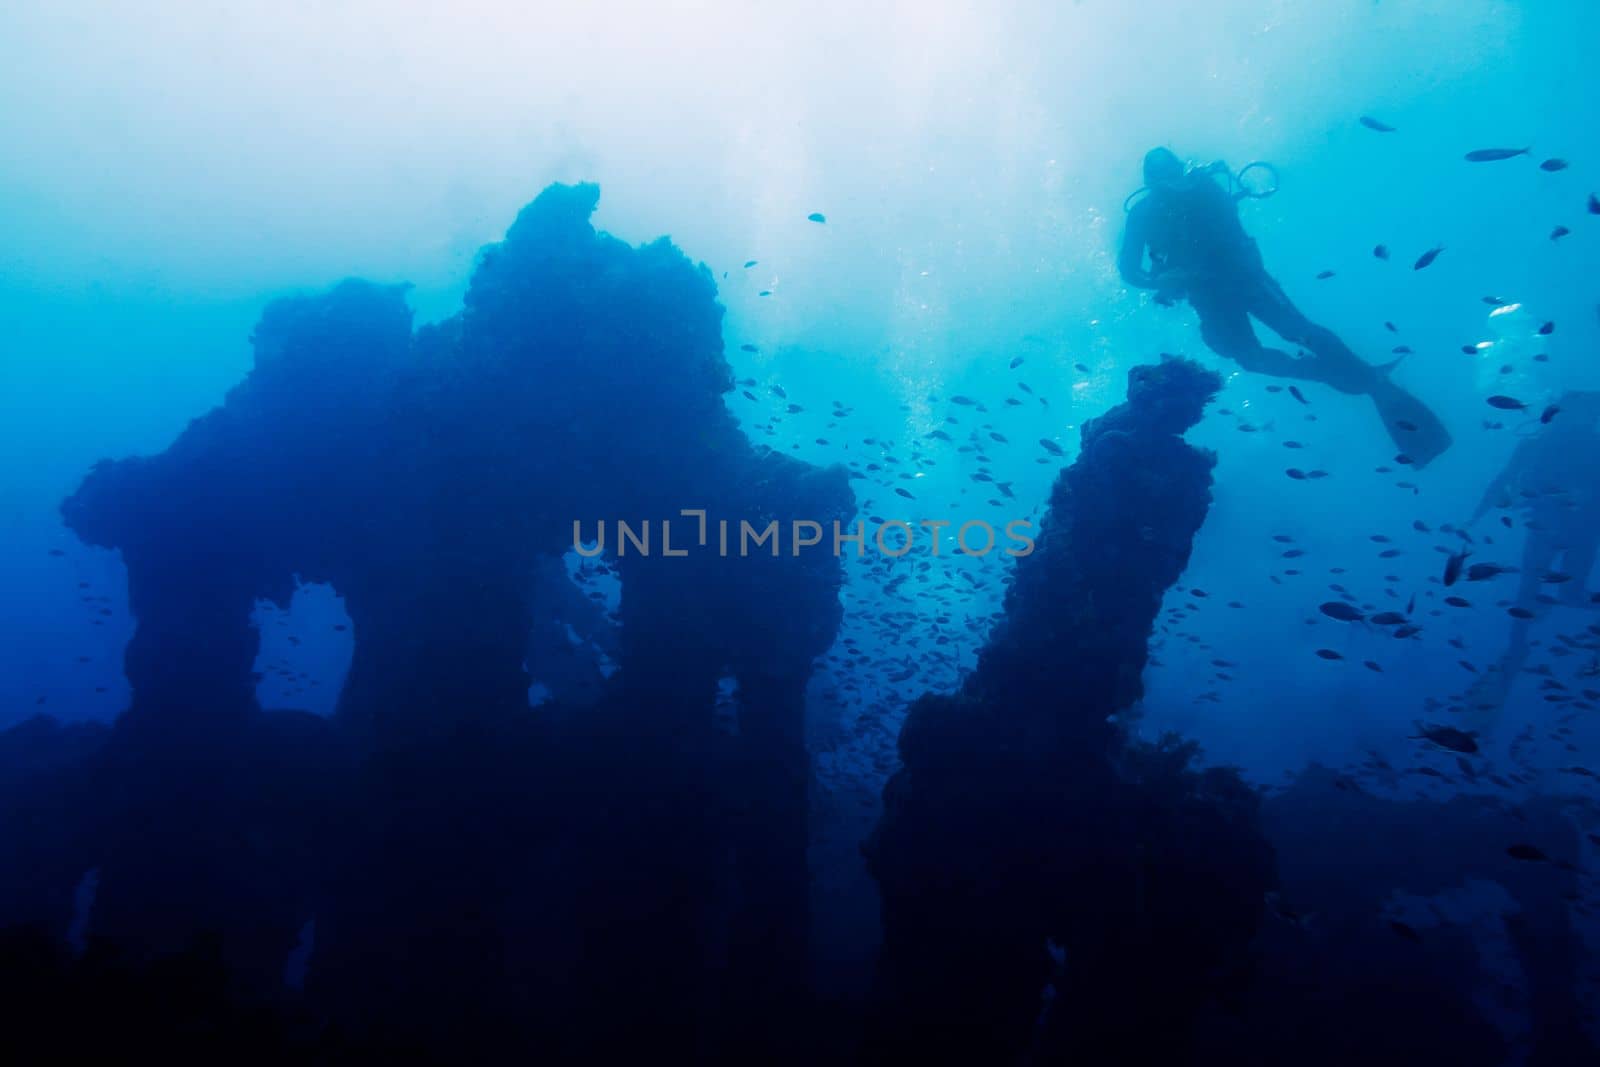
point(1332, 362)
point(1225, 328)
point(1413, 428)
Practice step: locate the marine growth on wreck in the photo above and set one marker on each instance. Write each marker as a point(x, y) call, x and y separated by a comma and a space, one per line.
point(1006, 537)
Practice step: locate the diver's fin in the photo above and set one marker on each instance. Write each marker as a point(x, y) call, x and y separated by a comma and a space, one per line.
point(1416, 431)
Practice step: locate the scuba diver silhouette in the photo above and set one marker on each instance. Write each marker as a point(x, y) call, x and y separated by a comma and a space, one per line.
point(1552, 477)
point(1189, 224)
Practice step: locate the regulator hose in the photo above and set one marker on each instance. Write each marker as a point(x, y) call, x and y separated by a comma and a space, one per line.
point(1257, 194)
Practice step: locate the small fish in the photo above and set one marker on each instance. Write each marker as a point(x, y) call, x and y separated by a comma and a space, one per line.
point(1295, 392)
point(1296, 473)
point(1015, 363)
point(1493, 155)
point(903, 492)
point(817, 216)
point(1527, 852)
point(748, 348)
point(1558, 233)
point(1389, 618)
point(1381, 252)
point(1594, 204)
point(1427, 257)
point(1373, 124)
point(1552, 165)
point(1324, 275)
point(1547, 329)
point(1549, 413)
point(1372, 666)
point(1493, 301)
point(1452, 567)
point(1050, 446)
point(1391, 327)
point(1328, 653)
point(749, 263)
point(1507, 403)
point(1338, 609)
point(1401, 350)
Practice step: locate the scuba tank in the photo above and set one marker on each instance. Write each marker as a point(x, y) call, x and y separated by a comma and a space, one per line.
point(1234, 183)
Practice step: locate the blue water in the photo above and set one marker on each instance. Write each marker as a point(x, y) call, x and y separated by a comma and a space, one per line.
point(166, 175)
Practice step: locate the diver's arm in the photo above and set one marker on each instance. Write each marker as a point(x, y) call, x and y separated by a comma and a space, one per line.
point(1497, 489)
point(1130, 261)
point(1490, 495)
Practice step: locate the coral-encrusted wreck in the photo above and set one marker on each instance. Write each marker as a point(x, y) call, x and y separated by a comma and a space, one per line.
point(1026, 842)
point(472, 868)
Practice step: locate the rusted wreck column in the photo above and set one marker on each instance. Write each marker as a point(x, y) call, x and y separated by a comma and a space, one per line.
point(1025, 840)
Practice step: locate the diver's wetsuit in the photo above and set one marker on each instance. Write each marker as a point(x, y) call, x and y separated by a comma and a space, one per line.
point(1199, 250)
point(1552, 478)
